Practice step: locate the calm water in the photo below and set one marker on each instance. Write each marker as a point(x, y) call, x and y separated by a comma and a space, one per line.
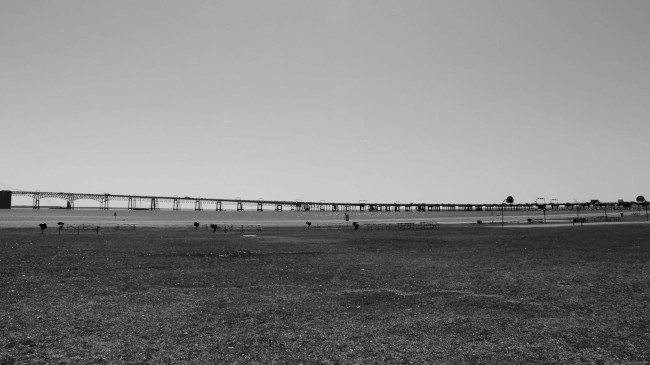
point(25, 217)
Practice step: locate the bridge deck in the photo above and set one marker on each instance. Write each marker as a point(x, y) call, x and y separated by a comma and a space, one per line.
point(176, 202)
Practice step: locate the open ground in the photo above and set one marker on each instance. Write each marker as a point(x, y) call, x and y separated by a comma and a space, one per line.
point(457, 294)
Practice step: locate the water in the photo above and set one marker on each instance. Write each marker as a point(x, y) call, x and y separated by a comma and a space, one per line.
point(27, 217)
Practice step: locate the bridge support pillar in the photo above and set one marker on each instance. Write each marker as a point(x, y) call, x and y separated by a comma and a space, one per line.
point(219, 206)
point(176, 204)
point(260, 207)
point(198, 205)
point(240, 206)
point(278, 207)
point(335, 208)
point(154, 204)
point(36, 201)
point(103, 202)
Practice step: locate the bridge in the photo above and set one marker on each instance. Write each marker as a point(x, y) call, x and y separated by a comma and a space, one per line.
point(135, 202)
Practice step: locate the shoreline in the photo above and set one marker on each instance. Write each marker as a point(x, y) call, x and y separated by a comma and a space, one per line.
point(301, 223)
point(28, 218)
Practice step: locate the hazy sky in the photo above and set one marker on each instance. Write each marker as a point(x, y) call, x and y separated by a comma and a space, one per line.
point(416, 101)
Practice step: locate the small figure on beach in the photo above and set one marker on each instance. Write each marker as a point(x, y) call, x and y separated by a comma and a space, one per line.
point(214, 227)
point(308, 225)
point(356, 225)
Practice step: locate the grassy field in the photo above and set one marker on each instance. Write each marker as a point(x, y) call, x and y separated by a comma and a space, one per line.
point(289, 296)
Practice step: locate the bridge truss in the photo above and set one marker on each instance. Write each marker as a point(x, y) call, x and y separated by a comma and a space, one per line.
point(149, 202)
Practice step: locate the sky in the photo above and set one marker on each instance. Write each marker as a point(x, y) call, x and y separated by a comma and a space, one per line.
point(411, 101)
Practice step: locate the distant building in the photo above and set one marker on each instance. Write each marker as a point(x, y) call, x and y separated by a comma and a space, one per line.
point(5, 199)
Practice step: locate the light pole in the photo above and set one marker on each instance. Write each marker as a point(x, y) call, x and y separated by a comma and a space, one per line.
point(508, 200)
point(641, 201)
point(542, 206)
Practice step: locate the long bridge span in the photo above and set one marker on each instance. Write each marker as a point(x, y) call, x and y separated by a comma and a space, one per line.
point(150, 202)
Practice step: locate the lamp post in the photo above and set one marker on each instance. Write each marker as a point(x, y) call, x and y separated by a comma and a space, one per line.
point(641, 201)
point(508, 200)
point(542, 206)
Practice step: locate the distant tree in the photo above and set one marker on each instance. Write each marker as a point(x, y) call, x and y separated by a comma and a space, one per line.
point(196, 225)
point(43, 227)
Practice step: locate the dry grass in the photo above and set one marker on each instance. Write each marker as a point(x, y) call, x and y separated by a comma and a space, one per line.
point(454, 295)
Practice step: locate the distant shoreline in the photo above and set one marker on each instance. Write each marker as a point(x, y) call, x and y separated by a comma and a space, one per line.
point(26, 218)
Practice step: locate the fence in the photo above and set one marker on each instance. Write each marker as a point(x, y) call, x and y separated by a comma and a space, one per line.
point(234, 227)
point(80, 228)
point(417, 226)
point(330, 226)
